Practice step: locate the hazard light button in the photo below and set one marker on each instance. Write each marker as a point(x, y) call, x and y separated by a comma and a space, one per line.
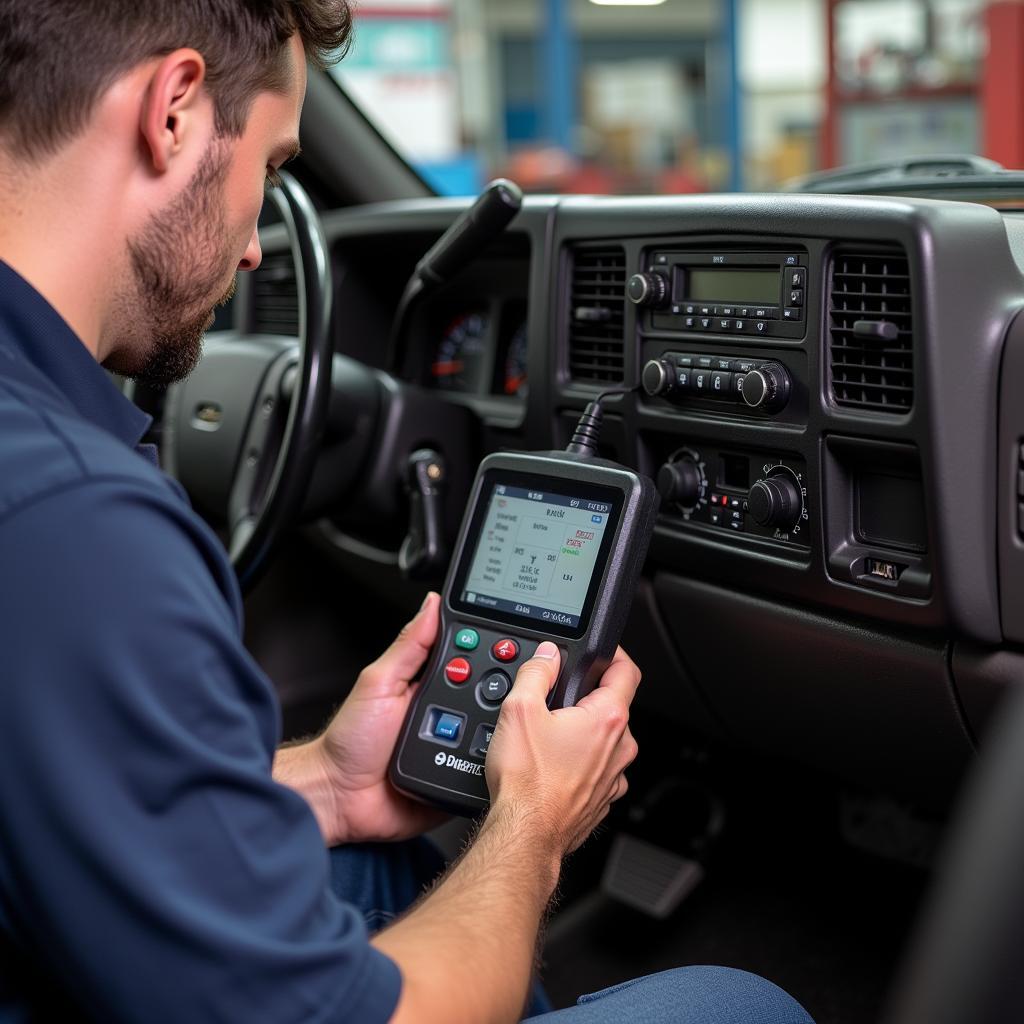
point(457, 670)
point(505, 650)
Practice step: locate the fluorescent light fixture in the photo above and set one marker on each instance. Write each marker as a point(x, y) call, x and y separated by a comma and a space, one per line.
point(627, 3)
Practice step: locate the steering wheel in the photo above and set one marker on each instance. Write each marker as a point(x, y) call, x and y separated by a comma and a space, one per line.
point(242, 433)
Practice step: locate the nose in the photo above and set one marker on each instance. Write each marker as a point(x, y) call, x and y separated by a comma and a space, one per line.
point(253, 253)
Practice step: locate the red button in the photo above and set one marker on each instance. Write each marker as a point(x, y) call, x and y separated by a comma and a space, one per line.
point(505, 650)
point(457, 670)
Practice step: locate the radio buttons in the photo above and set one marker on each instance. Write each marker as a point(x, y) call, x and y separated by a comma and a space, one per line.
point(677, 376)
point(721, 383)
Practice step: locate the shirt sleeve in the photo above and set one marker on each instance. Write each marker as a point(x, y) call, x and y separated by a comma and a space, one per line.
point(147, 858)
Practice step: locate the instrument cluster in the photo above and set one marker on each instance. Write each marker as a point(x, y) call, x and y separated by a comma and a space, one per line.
point(479, 350)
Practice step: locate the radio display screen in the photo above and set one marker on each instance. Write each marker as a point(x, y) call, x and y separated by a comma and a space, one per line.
point(752, 287)
point(536, 550)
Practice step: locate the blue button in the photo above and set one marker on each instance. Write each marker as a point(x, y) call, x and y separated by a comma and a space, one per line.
point(447, 727)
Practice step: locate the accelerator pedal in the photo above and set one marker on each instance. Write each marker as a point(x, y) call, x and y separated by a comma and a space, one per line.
point(648, 878)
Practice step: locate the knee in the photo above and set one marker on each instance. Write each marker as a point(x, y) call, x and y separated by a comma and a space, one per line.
point(710, 995)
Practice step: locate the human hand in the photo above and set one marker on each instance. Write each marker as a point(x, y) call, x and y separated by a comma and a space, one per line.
point(561, 770)
point(356, 746)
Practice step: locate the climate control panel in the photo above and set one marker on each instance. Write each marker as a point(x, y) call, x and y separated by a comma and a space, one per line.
point(743, 492)
point(753, 383)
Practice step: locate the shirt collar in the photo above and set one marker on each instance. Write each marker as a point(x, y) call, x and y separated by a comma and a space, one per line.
point(46, 340)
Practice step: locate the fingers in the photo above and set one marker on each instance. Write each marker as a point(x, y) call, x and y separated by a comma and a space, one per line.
point(536, 677)
point(404, 658)
point(625, 752)
point(621, 678)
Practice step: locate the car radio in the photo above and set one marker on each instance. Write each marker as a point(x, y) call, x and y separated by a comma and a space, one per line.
point(750, 293)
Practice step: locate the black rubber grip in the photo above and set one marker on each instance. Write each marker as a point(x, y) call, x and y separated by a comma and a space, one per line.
point(466, 238)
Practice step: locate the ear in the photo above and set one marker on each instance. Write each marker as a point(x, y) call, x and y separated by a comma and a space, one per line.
point(172, 110)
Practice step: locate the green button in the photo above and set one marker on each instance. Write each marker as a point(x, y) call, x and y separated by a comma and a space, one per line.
point(467, 639)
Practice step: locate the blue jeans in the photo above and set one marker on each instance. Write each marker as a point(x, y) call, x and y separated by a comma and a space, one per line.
point(383, 879)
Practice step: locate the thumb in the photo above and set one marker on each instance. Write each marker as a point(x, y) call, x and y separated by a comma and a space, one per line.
point(536, 676)
point(405, 657)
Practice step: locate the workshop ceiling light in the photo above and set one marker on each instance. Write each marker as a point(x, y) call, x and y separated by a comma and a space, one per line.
point(627, 3)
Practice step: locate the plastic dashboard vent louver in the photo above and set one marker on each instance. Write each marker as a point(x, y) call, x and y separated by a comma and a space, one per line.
point(276, 296)
point(871, 331)
point(597, 299)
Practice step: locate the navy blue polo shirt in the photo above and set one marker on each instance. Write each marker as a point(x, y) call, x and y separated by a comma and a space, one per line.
point(150, 868)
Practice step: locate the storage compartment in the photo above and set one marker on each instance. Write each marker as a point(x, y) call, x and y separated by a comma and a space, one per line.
point(875, 523)
point(875, 707)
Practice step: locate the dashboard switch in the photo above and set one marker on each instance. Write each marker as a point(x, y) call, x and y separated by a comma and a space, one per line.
point(775, 502)
point(659, 377)
point(649, 289)
point(768, 387)
point(680, 481)
point(721, 383)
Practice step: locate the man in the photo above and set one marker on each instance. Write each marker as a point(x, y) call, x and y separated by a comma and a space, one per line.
point(158, 861)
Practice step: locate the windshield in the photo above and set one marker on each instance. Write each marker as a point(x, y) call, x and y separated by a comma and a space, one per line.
point(665, 96)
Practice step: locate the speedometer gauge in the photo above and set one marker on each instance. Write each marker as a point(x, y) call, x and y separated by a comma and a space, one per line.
point(459, 356)
point(514, 381)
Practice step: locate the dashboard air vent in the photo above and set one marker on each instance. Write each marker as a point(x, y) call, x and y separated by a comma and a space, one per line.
point(871, 331)
point(276, 296)
point(597, 299)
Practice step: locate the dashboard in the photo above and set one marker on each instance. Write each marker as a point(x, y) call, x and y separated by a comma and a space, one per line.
point(826, 391)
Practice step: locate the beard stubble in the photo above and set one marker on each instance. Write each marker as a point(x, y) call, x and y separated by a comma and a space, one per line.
point(178, 261)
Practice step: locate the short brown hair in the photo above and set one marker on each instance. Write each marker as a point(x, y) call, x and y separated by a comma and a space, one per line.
point(57, 57)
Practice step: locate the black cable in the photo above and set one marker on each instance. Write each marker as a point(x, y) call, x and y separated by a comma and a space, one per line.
point(588, 428)
point(617, 391)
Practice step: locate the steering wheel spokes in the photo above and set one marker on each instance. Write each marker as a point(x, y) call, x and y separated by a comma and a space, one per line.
point(259, 459)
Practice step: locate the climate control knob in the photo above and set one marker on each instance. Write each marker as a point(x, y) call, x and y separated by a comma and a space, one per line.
point(775, 502)
point(658, 377)
point(680, 482)
point(768, 387)
point(648, 289)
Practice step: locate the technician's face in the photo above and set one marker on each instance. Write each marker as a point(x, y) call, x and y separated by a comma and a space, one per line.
point(184, 260)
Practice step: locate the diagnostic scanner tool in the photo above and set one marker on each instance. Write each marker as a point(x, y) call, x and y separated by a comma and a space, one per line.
point(550, 548)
